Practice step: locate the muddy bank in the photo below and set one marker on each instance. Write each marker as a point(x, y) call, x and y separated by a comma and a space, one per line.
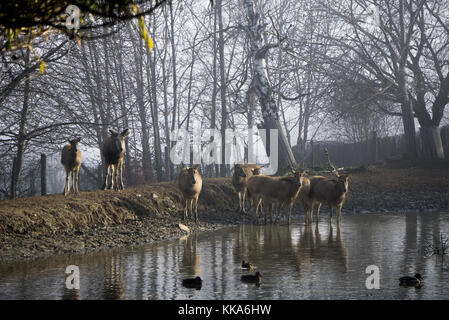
point(41, 226)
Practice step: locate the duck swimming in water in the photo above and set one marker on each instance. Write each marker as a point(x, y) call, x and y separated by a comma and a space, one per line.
point(257, 278)
point(247, 265)
point(408, 281)
point(193, 283)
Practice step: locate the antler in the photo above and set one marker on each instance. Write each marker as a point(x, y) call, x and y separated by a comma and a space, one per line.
point(334, 169)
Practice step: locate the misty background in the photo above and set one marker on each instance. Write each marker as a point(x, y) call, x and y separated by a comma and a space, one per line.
point(368, 80)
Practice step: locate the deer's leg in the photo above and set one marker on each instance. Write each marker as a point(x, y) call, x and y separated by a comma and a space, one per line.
point(306, 206)
point(290, 207)
point(185, 209)
point(121, 185)
point(66, 187)
point(115, 184)
point(191, 208)
point(338, 212)
point(279, 211)
point(106, 175)
point(331, 212)
point(196, 209)
point(240, 200)
point(272, 208)
point(259, 201)
point(72, 184)
point(318, 211)
point(77, 180)
point(243, 200)
point(265, 215)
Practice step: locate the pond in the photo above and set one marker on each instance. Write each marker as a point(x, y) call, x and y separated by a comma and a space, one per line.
point(319, 261)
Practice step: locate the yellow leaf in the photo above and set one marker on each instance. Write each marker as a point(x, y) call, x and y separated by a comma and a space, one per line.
point(42, 67)
point(150, 43)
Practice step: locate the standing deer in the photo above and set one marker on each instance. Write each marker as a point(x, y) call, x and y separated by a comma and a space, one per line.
point(190, 183)
point(275, 190)
point(71, 160)
point(331, 192)
point(304, 196)
point(113, 152)
point(242, 172)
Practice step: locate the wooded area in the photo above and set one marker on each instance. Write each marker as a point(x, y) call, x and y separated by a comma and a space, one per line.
point(316, 70)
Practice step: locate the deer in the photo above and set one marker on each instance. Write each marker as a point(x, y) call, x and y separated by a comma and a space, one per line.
point(71, 160)
point(275, 190)
point(319, 190)
point(190, 183)
point(304, 196)
point(113, 153)
point(242, 172)
point(331, 192)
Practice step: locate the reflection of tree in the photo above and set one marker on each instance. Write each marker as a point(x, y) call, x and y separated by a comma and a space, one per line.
point(113, 278)
point(191, 263)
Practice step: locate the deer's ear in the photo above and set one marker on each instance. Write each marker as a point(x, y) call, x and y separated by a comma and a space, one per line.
point(113, 132)
point(335, 172)
point(197, 167)
point(125, 133)
point(68, 139)
point(78, 139)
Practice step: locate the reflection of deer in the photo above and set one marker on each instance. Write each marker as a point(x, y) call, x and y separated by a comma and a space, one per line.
point(113, 278)
point(191, 264)
point(312, 249)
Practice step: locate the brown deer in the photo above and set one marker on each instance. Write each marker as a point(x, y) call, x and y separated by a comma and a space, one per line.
point(331, 192)
point(71, 160)
point(242, 172)
point(113, 152)
point(304, 196)
point(190, 183)
point(275, 190)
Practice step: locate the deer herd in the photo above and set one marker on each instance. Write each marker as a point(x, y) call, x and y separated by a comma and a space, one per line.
point(274, 192)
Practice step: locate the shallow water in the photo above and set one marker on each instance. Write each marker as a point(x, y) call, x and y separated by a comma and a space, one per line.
point(297, 262)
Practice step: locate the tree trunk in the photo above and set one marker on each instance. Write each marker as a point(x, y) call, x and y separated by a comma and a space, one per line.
point(263, 88)
point(224, 115)
point(155, 117)
point(44, 174)
point(21, 139)
point(432, 146)
point(213, 121)
point(409, 129)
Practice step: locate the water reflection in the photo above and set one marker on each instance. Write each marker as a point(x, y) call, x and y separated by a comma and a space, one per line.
point(113, 278)
point(319, 261)
point(70, 294)
point(191, 264)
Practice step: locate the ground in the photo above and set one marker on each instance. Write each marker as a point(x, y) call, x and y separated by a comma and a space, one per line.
point(94, 220)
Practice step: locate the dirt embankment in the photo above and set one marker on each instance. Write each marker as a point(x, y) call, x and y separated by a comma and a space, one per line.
point(41, 226)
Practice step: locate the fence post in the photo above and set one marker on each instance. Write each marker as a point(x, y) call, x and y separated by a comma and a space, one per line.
point(43, 174)
point(13, 182)
point(374, 150)
point(311, 157)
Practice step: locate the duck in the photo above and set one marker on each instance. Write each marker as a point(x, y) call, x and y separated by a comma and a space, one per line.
point(247, 265)
point(249, 278)
point(193, 283)
point(408, 281)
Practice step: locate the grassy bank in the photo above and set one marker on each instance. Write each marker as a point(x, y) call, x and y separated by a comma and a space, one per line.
point(41, 226)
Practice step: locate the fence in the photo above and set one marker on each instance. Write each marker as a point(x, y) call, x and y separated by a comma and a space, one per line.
point(362, 153)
